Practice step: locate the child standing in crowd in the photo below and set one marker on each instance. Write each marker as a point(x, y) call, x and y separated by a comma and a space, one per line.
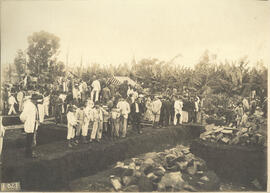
point(88, 117)
point(97, 123)
point(106, 117)
point(71, 126)
point(80, 119)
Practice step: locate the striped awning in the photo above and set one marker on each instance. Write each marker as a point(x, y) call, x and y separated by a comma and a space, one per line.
point(117, 80)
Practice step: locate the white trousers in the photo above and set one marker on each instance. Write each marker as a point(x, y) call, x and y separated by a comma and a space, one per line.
point(46, 109)
point(70, 132)
point(20, 105)
point(11, 110)
point(85, 128)
point(1, 146)
point(41, 113)
point(96, 96)
point(123, 126)
point(97, 130)
point(184, 116)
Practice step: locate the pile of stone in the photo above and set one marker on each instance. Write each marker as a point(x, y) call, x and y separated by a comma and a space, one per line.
point(236, 136)
point(176, 169)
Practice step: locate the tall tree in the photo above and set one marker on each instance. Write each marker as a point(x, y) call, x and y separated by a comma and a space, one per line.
point(42, 51)
point(20, 62)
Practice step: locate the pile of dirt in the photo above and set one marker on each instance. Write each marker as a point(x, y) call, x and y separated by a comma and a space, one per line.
point(175, 169)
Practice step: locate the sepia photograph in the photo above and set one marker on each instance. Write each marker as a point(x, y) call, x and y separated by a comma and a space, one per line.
point(134, 95)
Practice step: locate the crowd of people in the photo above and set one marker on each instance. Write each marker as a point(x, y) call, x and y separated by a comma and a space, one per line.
point(97, 109)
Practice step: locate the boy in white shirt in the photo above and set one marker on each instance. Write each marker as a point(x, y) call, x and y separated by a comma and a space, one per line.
point(88, 117)
point(97, 124)
point(71, 125)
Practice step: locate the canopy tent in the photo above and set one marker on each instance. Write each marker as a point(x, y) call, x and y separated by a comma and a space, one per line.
point(117, 80)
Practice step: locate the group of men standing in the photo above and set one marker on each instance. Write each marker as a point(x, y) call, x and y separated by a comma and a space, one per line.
point(95, 110)
point(165, 110)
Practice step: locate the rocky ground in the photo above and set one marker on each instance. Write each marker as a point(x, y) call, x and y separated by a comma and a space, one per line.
point(174, 169)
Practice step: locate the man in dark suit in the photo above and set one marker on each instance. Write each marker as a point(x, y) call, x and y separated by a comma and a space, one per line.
point(136, 111)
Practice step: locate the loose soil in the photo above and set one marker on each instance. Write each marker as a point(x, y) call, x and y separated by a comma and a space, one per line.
point(58, 165)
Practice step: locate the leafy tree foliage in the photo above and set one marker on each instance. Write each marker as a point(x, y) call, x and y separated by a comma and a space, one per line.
point(20, 62)
point(42, 51)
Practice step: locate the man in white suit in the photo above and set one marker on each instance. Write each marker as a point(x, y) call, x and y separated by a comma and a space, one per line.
point(29, 117)
point(96, 90)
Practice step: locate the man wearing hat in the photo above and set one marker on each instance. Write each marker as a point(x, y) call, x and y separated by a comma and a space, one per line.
point(29, 117)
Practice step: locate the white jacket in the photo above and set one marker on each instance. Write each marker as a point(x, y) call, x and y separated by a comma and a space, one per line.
point(89, 114)
point(71, 118)
point(178, 105)
point(96, 85)
point(156, 106)
point(12, 100)
point(28, 116)
point(124, 108)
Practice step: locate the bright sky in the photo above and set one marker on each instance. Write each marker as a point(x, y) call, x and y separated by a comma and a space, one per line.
point(113, 31)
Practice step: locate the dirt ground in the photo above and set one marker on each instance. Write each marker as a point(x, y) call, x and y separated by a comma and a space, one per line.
point(57, 164)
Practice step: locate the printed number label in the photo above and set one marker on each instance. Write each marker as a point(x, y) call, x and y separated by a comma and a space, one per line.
point(10, 187)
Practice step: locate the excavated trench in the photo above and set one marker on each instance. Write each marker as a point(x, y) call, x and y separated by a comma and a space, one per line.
point(58, 165)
